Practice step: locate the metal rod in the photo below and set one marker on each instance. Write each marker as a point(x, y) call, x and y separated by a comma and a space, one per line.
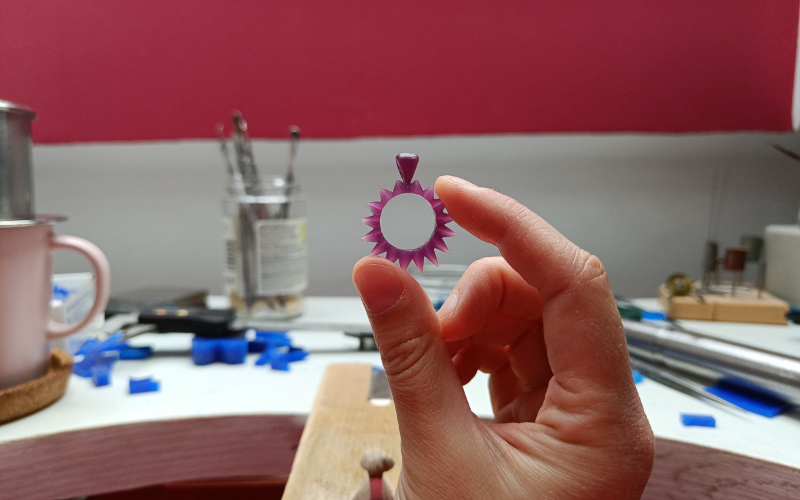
point(294, 143)
point(714, 359)
point(682, 384)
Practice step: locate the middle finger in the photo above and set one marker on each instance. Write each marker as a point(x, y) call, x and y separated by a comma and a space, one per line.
point(491, 305)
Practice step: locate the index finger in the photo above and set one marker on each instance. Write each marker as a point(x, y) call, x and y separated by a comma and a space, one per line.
point(582, 330)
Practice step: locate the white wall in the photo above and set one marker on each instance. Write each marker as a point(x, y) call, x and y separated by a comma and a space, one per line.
point(640, 202)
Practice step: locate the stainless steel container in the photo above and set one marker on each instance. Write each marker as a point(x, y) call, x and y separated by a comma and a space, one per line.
point(16, 175)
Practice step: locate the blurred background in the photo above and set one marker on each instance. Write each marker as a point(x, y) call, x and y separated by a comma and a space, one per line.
point(609, 119)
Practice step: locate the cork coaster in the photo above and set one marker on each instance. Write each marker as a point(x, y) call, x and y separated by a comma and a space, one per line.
point(24, 399)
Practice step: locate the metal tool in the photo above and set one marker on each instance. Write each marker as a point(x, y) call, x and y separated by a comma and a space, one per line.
point(682, 384)
point(16, 174)
point(380, 394)
point(136, 330)
point(787, 152)
point(208, 323)
point(254, 204)
point(238, 146)
point(735, 260)
point(718, 185)
point(710, 261)
point(247, 230)
point(713, 359)
point(244, 151)
point(247, 215)
point(754, 245)
point(710, 264)
point(294, 143)
point(235, 175)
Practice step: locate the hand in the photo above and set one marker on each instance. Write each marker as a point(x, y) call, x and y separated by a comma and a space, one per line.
point(543, 323)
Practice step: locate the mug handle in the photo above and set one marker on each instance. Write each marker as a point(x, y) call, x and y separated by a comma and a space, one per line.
point(102, 274)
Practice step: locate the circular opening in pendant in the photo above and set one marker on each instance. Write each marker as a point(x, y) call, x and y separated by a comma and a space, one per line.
point(407, 221)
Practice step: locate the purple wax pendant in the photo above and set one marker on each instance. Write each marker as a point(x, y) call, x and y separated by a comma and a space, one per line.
point(407, 166)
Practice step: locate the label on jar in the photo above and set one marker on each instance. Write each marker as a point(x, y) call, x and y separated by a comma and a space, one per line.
point(281, 257)
point(232, 256)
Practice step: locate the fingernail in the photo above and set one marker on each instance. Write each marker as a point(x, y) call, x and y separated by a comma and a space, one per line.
point(449, 305)
point(379, 287)
point(458, 180)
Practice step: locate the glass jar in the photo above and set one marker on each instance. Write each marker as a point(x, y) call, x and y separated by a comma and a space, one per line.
point(438, 282)
point(266, 253)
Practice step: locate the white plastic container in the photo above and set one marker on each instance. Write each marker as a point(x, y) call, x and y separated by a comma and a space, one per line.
point(74, 308)
point(782, 257)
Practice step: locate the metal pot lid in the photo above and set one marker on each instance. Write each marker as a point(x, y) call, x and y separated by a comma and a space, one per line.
point(17, 109)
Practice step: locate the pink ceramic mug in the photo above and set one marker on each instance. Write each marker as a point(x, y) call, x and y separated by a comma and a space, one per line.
point(26, 287)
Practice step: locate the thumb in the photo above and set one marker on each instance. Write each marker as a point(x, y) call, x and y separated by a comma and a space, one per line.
point(432, 410)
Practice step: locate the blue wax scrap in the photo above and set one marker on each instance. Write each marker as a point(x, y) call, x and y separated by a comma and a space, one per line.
point(280, 363)
point(295, 354)
point(203, 351)
point(653, 316)
point(256, 346)
point(637, 377)
point(128, 352)
point(692, 420)
point(232, 350)
point(279, 351)
point(144, 385)
point(92, 358)
point(101, 375)
point(60, 293)
point(266, 357)
point(273, 339)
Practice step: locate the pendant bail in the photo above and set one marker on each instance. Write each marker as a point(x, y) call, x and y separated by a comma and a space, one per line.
point(407, 166)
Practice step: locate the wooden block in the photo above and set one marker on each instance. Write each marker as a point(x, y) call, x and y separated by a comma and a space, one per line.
point(743, 307)
point(687, 307)
point(343, 424)
point(748, 308)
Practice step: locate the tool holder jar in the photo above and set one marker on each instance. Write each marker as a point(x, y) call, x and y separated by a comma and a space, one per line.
point(266, 268)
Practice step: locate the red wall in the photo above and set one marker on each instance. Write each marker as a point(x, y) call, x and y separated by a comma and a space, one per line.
point(100, 70)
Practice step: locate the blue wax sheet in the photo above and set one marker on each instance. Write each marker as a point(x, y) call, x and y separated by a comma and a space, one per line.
point(749, 397)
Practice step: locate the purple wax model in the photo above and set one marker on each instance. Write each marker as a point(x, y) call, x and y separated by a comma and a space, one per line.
point(407, 165)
